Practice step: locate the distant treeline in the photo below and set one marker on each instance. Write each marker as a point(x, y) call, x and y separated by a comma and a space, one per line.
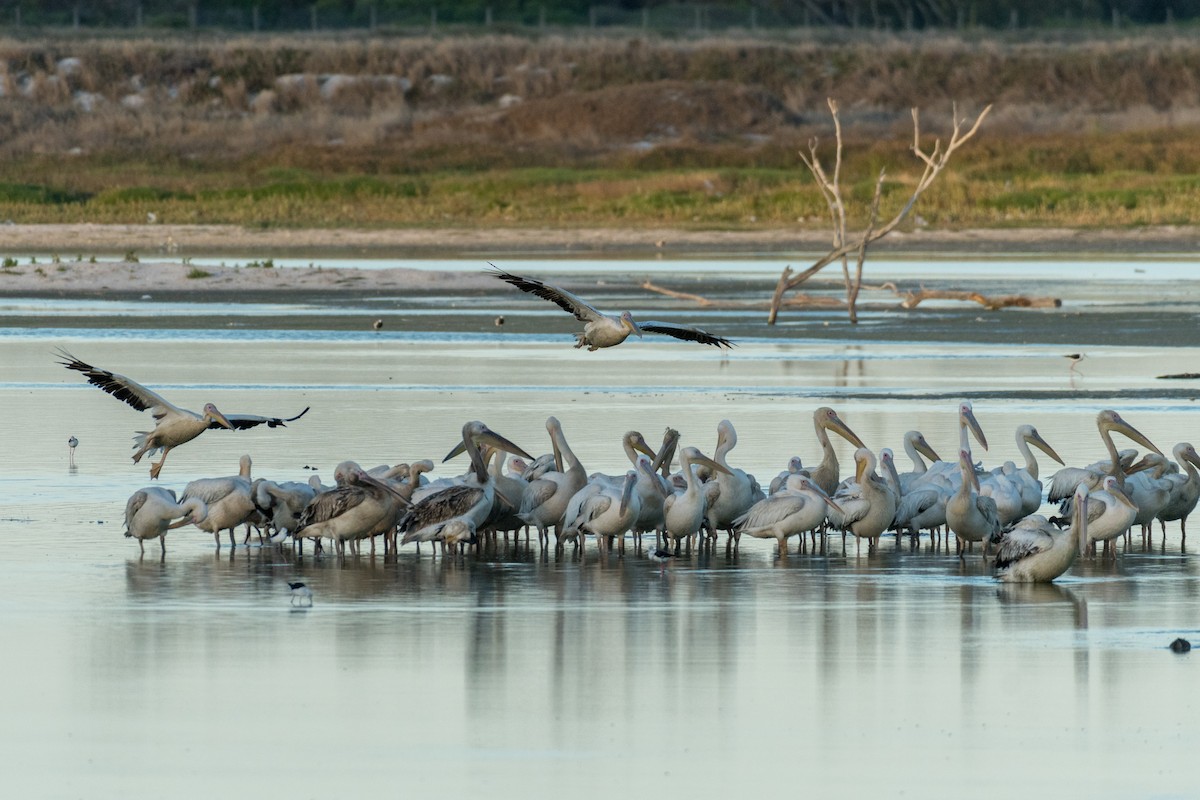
point(662, 16)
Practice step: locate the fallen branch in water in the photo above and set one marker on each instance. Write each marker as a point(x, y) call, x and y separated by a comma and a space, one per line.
point(911, 298)
point(796, 301)
point(1180, 376)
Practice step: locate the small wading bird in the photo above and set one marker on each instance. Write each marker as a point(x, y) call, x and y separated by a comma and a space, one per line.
point(72, 443)
point(174, 426)
point(301, 592)
point(605, 330)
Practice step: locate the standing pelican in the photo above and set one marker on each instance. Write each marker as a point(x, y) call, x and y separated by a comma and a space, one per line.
point(971, 516)
point(1110, 514)
point(149, 513)
point(1026, 478)
point(683, 512)
point(471, 500)
point(1185, 489)
point(869, 507)
point(739, 489)
point(825, 475)
point(357, 507)
point(608, 511)
point(1108, 422)
point(796, 509)
point(545, 500)
point(1034, 551)
point(915, 446)
point(605, 330)
point(230, 501)
point(174, 426)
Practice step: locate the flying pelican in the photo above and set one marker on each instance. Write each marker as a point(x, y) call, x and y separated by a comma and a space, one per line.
point(971, 516)
point(605, 330)
point(683, 512)
point(825, 474)
point(472, 501)
point(149, 513)
point(796, 509)
point(1034, 551)
point(72, 443)
point(1108, 422)
point(174, 426)
point(1185, 492)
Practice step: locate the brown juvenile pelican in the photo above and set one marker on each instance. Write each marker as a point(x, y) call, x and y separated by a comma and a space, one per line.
point(149, 513)
point(1034, 551)
point(352, 510)
point(472, 501)
point(174, 426)
point(605, 330)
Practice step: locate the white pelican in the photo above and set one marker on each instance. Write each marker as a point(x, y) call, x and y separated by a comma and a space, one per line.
point(923, 507)
point(1185, 489)
point(282, 503)
point(1110, 514)
point(869, 506)
point(825, 474)
point(968, 426)
point(72, 443)
point(1150, 490)
point(348, 511)
point(174, 426)
point(1108, 422)
point(796, 509)
point(739, 489)
point(1034, 551)
point(604, 510)
point(915, 446)
point(230, 501)
point(683, 512)
point(1026, 478)
point(471, 500)
point(971, 516)
point(794, 467)
point(545, 500)
point(1005, 491)
point(149, 513)
point(605, 330)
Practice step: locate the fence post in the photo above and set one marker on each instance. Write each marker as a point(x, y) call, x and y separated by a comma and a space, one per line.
point(487, 16)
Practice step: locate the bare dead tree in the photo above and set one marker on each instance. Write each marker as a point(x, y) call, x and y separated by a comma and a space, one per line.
point(935, 161)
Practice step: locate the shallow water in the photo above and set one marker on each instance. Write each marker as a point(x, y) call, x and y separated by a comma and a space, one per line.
point(522, 674)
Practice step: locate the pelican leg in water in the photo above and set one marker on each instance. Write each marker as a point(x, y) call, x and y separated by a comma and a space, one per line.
point(174, 425)
point(605, 330)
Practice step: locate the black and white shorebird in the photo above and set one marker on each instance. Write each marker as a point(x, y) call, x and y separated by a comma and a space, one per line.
point(173, 425)
point(600, 329)
point(1074, 358)
point(660, 556)
point(72, 443)
point(300, 592)
point(377, 325)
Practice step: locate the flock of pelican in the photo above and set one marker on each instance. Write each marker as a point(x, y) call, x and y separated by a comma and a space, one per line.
point(687, 499)
point(505, 490)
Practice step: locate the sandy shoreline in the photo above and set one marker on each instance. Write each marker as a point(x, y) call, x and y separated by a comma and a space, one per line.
point(162, 249)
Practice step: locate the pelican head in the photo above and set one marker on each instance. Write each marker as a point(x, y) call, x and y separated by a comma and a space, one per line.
point(828, 419)
point(213, 415)
point(1113, 487)
point(357, 476)
point(1187, 452)
point(864, 464)
point(638, 443)
point(922, 446)
point(692, 456)
point(627, 490)
point(1031, 435)
point(477, 433)
point(968, 468)
point(457, 530)
point(1109, 421)
point(628, 323)
point(666, 454)
point(195, 512)
point(966, 417)
point(803, 482)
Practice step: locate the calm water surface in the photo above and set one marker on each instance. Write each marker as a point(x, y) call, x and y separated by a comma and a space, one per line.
point(522, 674)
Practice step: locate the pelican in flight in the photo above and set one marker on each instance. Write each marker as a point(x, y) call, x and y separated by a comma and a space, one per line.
point(1034, 551)
point(174, 425)
point(149, 513)
point(605, 330)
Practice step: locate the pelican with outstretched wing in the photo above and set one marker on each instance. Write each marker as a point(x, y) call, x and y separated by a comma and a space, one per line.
point(174, 425)
point(605, 330)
